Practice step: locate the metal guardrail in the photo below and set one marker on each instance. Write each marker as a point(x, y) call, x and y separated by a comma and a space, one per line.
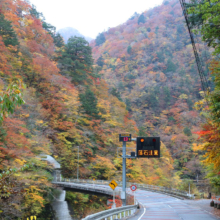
point(92, 188)
point(161, 189)
point(113, 213)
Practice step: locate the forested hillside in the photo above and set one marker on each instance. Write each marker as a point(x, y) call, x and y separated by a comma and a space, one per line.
point(149, 64)
point(62, 102)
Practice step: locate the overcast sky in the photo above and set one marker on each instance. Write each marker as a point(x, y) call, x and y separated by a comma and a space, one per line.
point(91, 17)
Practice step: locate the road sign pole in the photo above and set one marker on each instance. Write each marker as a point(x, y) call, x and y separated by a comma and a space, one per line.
point(123, 193)
point(134, 198)
point(78, 165)
point(114, 205)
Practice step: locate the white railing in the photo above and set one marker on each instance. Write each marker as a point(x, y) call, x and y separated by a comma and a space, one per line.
point(92, 188)
point(161, 189)
point(116, 213)
point(113, 213)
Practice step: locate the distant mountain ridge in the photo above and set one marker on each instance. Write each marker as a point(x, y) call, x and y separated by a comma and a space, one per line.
point(68, 32)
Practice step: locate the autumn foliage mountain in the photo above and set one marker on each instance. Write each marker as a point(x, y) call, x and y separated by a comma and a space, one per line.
point(149, 64)
point(67, 104)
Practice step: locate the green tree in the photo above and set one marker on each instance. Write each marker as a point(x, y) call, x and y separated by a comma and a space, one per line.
point(187, 131)
point(167, 95)
point(180, 29)
point(100, 61)
point(171, 67)
point(128, 104)
point(129, 49)
point(10, 98)
point(116, 93)
point(48, 27)
point(141, 19)
point(7, 32)
point(133, 16)
point(58, 40)
point(160, 56)
point(205, 16)
point(76, 60)
point(89, 103)
point(100, 39)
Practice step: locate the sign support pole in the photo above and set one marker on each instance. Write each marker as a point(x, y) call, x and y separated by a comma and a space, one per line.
point(78, 165)
point(134, 198)
point(114, 205)
point(123, 193)
point(113, 185)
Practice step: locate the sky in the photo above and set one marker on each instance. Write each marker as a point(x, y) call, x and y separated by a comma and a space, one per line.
point(91, 17)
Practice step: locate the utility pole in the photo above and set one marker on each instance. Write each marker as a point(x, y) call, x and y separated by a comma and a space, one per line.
point(123, 193)
point(78, 165)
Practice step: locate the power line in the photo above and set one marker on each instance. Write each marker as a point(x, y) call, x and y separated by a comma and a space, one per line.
point(204, 81)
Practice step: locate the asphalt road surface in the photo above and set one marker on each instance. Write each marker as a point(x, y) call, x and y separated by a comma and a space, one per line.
point(163, 207)
point(158, 206)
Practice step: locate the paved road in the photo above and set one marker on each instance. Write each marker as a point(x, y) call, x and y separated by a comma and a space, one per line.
point(162, 207)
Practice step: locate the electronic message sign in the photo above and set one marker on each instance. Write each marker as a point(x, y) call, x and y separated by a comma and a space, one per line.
point(148, 147)
point(125, 137)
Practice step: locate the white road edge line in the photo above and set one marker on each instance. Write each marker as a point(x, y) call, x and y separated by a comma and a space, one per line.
point(143, 213)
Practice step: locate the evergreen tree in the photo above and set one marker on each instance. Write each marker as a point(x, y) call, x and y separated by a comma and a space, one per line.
point(171, 67)
point(167, 95)
point(133, 16)
point(160, 56)
point(76, 60)
point(129, 49)
point(156, 30)
point(187, 131)
point(100, 39)
point(48, 27)
point(128, 104)
point(116, 93)
point(141, 19)
point(7, 32)
point(100, 61)
point(58, 40)
point(180, 29)
point(89, 103)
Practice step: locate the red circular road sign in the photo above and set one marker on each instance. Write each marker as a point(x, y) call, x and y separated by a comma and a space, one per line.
point(133, 187)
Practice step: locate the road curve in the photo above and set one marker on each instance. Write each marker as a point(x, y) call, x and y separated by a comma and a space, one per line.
point(158, 206)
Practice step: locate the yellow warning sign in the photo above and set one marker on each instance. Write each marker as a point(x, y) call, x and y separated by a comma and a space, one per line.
point(113, 184)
